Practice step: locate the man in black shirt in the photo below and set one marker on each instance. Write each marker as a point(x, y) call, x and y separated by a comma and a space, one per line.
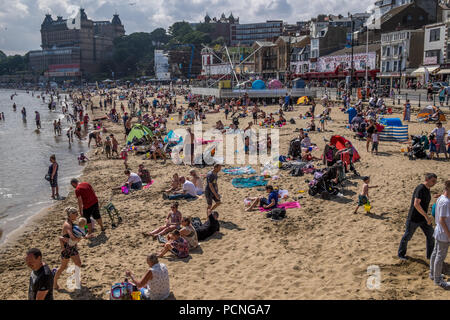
point(208, 228)
point(417, 216)
point(41, 279)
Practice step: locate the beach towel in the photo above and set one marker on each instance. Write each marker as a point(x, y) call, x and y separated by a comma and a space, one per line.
point(286, 205)
point(147, 185)
point(250, 182)
point(239, 170)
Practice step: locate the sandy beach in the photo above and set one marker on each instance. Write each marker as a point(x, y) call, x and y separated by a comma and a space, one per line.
point(320, 251)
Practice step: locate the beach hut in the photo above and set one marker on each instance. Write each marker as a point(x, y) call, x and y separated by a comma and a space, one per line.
point(394, 130)
point(275, 84)
point(258, 85)
point(138, 131)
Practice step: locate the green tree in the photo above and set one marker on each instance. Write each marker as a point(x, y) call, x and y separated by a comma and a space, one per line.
point(179, 29)
point(160, 36)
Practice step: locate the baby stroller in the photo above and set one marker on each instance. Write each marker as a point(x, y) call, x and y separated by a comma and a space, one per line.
point(361, 130)
point(295, 148)
point(322, 184)
point(418, 150)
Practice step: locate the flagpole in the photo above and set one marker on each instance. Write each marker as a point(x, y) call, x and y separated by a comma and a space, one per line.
point(367, 59)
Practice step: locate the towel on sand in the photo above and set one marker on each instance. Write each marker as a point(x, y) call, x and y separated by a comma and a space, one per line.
point(146, 186)
point(286, 205)
point(250, 182)
point(239, 170)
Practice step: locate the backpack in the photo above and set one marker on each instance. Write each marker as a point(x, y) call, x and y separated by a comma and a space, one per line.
point(121, 291)
point(292, 121)
point(277, 214)
point(296, 172)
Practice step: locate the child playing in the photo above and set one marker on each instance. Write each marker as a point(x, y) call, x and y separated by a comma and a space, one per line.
point(82, 158)
point(433, 147)
point(363, 198)
point(108, 147)
point(124, 156)
point(115, 145)
point(375, 139)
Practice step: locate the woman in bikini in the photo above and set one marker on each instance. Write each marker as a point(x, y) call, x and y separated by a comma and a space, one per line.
point(68, 252)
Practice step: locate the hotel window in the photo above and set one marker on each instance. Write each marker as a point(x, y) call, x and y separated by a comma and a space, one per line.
point(387, 66)
point(435, 35)
point(394, 68)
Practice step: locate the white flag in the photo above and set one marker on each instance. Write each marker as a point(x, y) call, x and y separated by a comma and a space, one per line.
point(74, 22)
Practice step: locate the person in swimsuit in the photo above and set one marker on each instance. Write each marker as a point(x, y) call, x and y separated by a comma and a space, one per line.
point(370, 130)
point(68, 252)
point(53, 173)
point(173, 222)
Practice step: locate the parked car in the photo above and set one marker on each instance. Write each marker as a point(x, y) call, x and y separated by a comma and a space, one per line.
point(437, 86)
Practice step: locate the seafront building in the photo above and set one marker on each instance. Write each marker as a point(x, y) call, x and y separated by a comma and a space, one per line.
point(72, 48)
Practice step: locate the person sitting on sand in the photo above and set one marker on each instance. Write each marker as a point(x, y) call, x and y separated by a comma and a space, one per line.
point(176, 244)
point(188, 232)
point(173, 222)
point(155, 283)
point(188, 191)
point(144, 174)
point(270, 203)
point(133, 182)
point(156, 150)
point(208, 228)
point(175, 184)
point(197, 181)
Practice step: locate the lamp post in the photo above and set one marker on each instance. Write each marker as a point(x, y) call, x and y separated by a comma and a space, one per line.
point(401, 68)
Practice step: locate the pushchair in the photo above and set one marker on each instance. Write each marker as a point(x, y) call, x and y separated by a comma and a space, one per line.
point(322, 184)
point(418, 150)
point(295, 149)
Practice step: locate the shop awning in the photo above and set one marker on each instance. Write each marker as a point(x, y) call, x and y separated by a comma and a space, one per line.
point(444, 71)
point(422, 70)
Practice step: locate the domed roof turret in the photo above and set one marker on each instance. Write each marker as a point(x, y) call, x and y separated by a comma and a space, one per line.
point(116, 20)
point(48, 19)
point(207, 18)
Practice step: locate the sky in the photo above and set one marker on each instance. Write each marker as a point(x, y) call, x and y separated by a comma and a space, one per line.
point(20, 20)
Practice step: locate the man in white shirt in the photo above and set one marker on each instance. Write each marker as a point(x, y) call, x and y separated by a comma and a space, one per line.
point(442, 237)
point(188, 191)
point(134, 182)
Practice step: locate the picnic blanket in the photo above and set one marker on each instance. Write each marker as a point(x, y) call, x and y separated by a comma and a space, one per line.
point(146, 186)
point(239, 170)
point(286, 205)
point(250, 182)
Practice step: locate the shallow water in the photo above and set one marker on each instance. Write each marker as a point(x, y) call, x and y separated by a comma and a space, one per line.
point(24, 155)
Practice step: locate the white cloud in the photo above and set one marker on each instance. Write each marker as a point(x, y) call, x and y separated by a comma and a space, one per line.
point(23, 18)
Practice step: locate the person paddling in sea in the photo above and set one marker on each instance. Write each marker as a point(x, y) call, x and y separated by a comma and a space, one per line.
point(53, 173)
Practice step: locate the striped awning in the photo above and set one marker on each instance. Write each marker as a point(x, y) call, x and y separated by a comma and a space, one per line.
point(394, 133)
point(422, 70)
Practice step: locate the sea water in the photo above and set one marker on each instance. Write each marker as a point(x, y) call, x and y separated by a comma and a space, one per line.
point(24, 157)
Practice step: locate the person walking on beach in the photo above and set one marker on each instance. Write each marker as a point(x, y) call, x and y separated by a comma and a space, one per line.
point(41, 278)
point(53, 173)
point(418, 217)
point(87, 203)
point(442, 237)
point(38, 120)
point(212, 190)
point(69, 250)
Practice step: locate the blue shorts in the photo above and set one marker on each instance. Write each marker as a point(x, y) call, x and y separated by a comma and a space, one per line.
point(432, 147)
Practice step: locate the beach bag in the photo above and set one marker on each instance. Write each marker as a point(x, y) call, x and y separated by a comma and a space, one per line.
point(47, 177)
point(121, 291)
point(277, 213)
point(292, 121)
point(296, 172)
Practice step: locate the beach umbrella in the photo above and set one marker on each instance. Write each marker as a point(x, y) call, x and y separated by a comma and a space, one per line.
point(258, 85)
point(275, 84)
